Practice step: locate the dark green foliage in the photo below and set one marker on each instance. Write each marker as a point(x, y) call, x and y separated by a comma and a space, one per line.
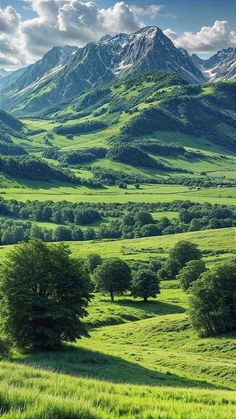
point(9, 121)
point(145, 284)
point(76, 157)
point(11, 150)
point(128, 220)
point(160, 78)
point(93, 261)
point(44, 294)
point(213, 300)
point(113, 276)
point(133, 156)
point(182, 253)
point(190, 273)
point(33, 168)
point(151, 120)
point(82, 128)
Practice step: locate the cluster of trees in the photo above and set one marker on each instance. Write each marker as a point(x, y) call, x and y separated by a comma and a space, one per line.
point(82, 128)
point(33, 168)
point(14, 231)
point(114, 177)
point(44, 292)
point(50, 211)
point(128, 220)
point(11, 149)
point(129, 154)
point(114, 276)
point(76, 157)
point(160, 78)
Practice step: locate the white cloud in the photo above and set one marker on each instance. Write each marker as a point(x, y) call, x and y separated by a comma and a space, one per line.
point(209, 38)
point(9, 20)
point(74, 22)
point(152, 11)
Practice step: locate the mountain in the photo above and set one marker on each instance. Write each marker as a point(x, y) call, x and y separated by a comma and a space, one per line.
point(10, 78)
point(226, 70)
point(218, 58)
point(221, 66)
point(53, 60)
point(3, 73)
point(65, 72)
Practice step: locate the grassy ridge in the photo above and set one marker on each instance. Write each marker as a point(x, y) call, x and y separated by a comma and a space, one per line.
point(217, 244)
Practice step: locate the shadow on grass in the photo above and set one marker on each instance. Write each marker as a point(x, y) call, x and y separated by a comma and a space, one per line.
point(74, 361)
point(153, 307)
point(150, 309)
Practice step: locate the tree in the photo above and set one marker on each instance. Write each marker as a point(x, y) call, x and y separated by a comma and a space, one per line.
point(190, 273)
point(62, 233)
point(93, 261)
point(183, 252)
point(145, 284)
point(43, 296)
point(143, 217)
point(113, 276)
point(213, 308)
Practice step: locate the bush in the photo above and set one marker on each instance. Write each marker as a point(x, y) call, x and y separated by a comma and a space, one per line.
point(190, 273)
point(44, 295)
point(213, 308)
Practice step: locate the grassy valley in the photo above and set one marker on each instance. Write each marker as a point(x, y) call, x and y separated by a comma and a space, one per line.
point(124, 171)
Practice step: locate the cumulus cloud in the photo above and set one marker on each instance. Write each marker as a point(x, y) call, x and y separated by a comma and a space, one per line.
point(209, 38)
point(9, 20)
point(74, 22)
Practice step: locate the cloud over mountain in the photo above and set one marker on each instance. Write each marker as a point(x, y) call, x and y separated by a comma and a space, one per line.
point(209, 38)
point(76, 22)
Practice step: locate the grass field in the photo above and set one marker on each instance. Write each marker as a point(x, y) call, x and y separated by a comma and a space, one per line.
point(216, 244)
point(141, 361)
point(147, 193)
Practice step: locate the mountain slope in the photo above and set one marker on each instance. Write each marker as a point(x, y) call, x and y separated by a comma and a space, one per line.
point(52, 80)
point(221, 66)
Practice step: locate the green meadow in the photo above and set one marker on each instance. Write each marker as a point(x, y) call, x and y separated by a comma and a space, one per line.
point(142, 360)
point(43, 191)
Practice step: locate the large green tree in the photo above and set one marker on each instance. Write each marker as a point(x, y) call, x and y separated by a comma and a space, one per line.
point(43, 296)
point(113, 276)
point(213, 300)
point(145, 284)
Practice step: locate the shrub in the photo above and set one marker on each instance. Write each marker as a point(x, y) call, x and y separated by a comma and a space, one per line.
point(213, 307)
point(190, 273)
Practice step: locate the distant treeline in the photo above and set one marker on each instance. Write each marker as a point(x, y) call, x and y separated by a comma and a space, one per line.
point(128, 220)
point(82, 128)
point(76, 157)
point(34, 168)
point(115, 177)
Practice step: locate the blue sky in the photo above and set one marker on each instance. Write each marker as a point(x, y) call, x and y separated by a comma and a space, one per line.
point(28, 28)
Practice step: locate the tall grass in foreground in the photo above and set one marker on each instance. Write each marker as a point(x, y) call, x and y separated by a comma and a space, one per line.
point(30, 393)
